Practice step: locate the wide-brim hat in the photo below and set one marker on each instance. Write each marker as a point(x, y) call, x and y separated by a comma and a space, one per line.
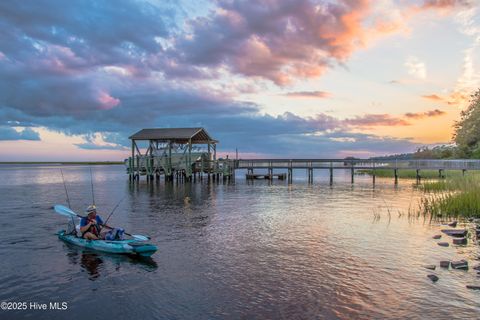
point(91, 209)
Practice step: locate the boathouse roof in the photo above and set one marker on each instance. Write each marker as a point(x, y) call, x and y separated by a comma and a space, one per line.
point(178, 135)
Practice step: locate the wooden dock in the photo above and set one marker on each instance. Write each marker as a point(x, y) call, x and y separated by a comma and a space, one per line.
point(310, 165)
point(226, 168)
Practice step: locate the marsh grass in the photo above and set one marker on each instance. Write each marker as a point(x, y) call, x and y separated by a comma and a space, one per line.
point(456, 196)
point(407, 173)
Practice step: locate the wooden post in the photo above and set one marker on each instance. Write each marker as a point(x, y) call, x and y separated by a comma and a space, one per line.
point(170, 170)
point(138, 168)
point(373, 164)
point(270, 171)
point(311, 172)
point(130, 168)
point(463, 172)
point(417, 175)
point(353, 172)
point(395, 173)
point(189, 162)
point(331, 173)
point(131, 162)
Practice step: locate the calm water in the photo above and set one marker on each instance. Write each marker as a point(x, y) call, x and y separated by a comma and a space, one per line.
point(243, 251)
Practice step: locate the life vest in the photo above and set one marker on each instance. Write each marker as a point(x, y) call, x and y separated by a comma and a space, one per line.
point(95, 229)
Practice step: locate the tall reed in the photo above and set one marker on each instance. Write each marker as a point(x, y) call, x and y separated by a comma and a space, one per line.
point(456, 196)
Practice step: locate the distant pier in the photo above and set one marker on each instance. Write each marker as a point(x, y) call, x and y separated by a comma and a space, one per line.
point(311, 165)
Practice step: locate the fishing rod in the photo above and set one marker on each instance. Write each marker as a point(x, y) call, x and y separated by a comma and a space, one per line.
point(115, 208)
point(65, 186)
point(91, 182)
point(68, 198)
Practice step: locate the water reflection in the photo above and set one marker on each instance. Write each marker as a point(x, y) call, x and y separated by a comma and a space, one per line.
point(94, 263)
point(90, 262)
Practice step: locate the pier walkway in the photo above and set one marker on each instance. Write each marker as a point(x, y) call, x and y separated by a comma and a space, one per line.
point(353, 164)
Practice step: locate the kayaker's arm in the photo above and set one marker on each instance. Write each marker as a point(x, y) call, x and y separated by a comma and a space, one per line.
point(87, 226)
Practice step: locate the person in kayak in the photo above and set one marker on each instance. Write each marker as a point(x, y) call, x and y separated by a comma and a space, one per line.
point(91, 225)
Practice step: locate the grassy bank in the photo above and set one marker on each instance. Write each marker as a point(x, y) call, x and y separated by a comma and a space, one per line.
point(66, 163)
point(453, 197)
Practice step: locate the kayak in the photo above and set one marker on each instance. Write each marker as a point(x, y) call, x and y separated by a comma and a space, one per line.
point(130, 246)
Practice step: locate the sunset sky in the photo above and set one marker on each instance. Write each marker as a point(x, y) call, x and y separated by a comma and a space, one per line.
point(293, 78)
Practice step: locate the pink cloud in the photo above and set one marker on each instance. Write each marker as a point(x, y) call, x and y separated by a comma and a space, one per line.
point(432, 97)
point(107, 102)
point(372, 120)
point(426, 114)
point(376, 120)
point(309, 94)
point(277, 40)
point(444, 4)
point(282, 40)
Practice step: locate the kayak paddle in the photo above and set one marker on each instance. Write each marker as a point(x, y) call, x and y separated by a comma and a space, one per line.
point(67, 212)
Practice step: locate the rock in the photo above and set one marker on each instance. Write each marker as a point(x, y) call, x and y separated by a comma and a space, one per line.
point(444, 264)
point(433, 277)
point(443, 244)
point(453, 224)
point(477, 231)
point(477, 267)
point(471, 219)
point(461, 264)
point(469, 286)
point(459, 241)
point(437, 236)
point(455, 232)
point(431, 266)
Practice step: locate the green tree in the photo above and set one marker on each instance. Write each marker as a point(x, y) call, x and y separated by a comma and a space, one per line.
point(467, 130)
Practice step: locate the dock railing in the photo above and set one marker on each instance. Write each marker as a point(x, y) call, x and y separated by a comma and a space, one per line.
point(413, 164)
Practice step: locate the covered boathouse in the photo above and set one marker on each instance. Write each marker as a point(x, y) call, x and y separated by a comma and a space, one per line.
point(182, 153)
